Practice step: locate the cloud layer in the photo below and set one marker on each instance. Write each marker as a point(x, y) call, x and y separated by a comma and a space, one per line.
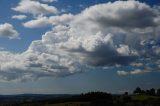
point(120, 34)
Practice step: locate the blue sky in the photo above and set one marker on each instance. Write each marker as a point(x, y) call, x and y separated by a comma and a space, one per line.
point(75, 46)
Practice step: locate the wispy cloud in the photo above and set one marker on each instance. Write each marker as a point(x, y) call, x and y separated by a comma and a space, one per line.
point(19, 17)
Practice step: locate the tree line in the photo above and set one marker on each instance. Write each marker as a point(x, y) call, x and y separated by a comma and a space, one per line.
point(151, 91)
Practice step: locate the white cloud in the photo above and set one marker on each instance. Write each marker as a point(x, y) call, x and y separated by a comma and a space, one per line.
point(133, 72)
point(122, 73)
point(40, 22)
point(117, 13)
point(134, 64)
point(46, 1)
point(104, 35)
point(49, 1)
point(53, 20)
point(8, 31)
point(63, 19)
point(19, 17)
point(137, 71)
point(35, 8)
point(125, 50)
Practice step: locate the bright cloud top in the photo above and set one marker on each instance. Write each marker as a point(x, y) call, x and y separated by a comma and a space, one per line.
point(119, 34)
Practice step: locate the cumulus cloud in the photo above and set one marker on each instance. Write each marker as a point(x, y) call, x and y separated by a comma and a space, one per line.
point(35, 8)
point(8, 31)
point(19, 17)
point(122, 33)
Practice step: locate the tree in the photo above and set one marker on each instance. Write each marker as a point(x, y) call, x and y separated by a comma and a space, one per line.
point(152, 91)
point(148, 92)
point(158, 92)
point(137, 90)
point(126, 93)
point(143, 91)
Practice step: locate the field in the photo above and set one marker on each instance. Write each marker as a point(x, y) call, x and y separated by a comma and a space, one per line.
point(88, 99)
point(70, 104)
point(144, 97)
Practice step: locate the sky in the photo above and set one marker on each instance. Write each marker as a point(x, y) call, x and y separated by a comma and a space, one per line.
point(76, 46)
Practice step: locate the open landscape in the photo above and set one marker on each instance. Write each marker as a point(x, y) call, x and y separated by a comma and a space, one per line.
point(138, 98)
point(79, 52)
